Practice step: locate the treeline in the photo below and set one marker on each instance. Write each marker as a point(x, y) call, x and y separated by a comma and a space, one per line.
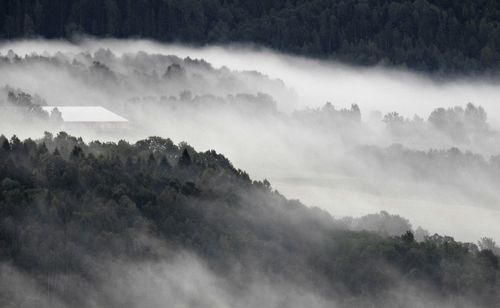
point(439, 35)
point(66, 205)
point(18, 106)
point(462, 125)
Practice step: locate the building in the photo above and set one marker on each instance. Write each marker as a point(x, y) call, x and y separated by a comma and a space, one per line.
point(95, 118)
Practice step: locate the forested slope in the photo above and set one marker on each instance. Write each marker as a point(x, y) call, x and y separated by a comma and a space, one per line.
point(65, 206)
point(438, 35)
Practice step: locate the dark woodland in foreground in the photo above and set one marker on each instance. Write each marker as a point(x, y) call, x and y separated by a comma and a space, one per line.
point(66, 206)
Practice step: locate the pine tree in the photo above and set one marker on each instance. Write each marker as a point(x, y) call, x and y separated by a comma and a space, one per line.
point(185, 160)
point(6, 145)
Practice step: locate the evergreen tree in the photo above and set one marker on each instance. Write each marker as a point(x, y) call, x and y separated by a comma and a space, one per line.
point(440, 36)
point(185, 159)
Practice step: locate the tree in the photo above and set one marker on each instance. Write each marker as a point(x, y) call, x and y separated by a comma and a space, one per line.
point(6, 145)
point(15, 144)
point(185, 159)
point(29, 26)
point(151, 160)
point(76, 153)
point(487, 243)
point(439, 36)
point(59, 217)
point(393, 118)
point(164, 164)
point(42, 149)
point(408, 237)
point(56, 117)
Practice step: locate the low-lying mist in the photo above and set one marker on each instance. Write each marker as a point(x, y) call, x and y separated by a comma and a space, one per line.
point(314, 82)
point(381, 144)
point(184, 281)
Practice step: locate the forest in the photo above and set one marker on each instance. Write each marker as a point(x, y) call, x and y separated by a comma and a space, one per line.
point(439, 36)
point(67, 206)
point(355, 163)
point(450, 149)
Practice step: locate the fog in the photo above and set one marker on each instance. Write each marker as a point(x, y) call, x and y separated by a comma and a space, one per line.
point(181, 282)
point(184, 281)
point(314, 82)
point(266, 112)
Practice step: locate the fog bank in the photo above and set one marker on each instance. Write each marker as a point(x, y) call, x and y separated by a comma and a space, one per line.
point(266, 112)
point(315, 82)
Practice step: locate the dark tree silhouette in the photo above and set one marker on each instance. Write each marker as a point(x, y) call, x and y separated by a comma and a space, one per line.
point(185, 159)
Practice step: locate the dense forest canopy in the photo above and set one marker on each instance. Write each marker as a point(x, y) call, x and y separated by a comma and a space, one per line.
point(433, 36)
point(66, 207)
point(360, 109)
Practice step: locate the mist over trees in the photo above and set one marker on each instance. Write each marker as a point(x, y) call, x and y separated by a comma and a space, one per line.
point(432, 36)
point(449, 147)
point(67, 206)
point(176, 90)
point(79, 215)
point(141, 85)
point(17, 106)
point(361, 161)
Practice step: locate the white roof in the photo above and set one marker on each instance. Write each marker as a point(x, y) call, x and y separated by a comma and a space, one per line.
point(86, 114)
